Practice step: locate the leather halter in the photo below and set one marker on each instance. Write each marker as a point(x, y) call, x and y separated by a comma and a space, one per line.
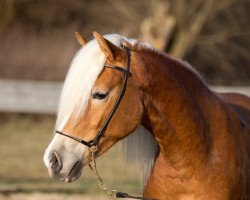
point(101, 132)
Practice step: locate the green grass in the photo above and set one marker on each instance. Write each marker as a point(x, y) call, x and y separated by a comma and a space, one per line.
point(23, 139)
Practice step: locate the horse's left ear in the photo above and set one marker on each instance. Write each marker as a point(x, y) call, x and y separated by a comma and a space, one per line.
point(80, 39)
point(107, 47)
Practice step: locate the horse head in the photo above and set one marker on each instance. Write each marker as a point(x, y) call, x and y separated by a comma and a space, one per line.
point(88, 97)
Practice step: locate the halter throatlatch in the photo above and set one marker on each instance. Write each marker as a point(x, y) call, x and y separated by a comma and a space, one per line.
point(93, 144)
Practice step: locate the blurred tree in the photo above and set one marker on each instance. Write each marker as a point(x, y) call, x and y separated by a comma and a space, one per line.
point(6, 13)
point(211, 35)
point(158, 27)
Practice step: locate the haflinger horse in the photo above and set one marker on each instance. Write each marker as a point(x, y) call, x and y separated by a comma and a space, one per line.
point(191, 142)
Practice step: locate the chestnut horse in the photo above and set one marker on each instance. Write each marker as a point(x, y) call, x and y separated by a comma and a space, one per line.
point(193, 143)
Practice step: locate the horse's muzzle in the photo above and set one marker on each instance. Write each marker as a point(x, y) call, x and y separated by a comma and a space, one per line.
point(56, 165)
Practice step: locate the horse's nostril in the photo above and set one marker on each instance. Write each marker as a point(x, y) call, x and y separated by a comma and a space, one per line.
point(55, 162)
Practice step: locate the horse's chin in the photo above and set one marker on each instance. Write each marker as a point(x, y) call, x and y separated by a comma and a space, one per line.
point(75, 172)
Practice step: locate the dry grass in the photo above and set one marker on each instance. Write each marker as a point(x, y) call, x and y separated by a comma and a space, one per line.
point(53, 196)
point(22, 144)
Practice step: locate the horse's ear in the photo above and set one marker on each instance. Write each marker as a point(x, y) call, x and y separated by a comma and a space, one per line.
point(127, 44)
point(107, 47)
point(80, 39)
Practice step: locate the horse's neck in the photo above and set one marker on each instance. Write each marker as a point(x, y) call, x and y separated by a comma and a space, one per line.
point(173, 97)
point(196, 131)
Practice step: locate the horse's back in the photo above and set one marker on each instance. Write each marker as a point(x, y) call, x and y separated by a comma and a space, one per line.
point(240, 104)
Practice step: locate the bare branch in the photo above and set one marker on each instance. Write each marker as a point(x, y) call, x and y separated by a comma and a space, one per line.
point(186, 39)
point(158, 28)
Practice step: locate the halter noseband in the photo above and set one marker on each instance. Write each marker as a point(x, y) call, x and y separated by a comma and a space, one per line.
point(101, 132)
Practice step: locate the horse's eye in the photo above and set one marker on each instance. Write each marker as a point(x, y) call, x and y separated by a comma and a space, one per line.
point(100, 95)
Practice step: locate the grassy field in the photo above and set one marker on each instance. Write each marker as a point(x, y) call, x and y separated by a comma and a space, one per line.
point(23, 139)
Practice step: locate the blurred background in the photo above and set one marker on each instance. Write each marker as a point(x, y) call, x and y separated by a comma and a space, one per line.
point(37, 44)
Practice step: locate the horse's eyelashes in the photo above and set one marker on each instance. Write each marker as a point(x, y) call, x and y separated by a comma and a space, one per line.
point(100, 95)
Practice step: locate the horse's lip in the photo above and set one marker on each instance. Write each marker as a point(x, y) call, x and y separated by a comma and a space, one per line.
point(75, 172)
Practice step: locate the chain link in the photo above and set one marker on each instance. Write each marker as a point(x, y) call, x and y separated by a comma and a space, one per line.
point(93, 168)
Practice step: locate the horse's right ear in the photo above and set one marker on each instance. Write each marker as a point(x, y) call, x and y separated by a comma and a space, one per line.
point(107, 47)
point(80, 39)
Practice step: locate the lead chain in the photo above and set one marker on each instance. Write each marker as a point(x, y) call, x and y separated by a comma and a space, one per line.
point(109, 191)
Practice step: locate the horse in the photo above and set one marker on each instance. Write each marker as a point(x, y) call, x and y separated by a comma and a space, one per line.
point(191, 142)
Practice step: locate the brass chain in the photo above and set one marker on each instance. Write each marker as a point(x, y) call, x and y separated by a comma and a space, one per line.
point(109, 191)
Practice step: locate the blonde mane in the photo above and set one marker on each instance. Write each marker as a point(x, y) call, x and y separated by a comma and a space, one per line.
point(140, 149)
point(88, 63)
